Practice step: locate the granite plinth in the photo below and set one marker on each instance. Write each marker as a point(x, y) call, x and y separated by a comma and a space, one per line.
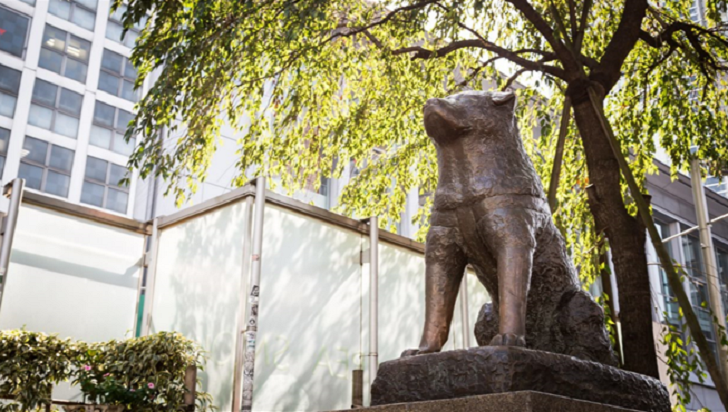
point(525, 401)
point(499, 369)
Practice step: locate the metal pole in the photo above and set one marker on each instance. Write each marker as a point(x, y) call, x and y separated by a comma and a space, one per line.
point(706, 242)
point(464, 315)
point(13, 190)
point(373, 298)
point(244, 281)
point(150, 281)
point(252, 327)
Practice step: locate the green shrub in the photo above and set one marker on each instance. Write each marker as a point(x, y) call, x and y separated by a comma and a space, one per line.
point(143, 374)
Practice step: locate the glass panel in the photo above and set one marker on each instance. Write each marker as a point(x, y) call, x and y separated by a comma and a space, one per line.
point(15, 29)
point(693, 258)
point(116, 173)
point(7, 105)
point(54, 38)
point(4, 137)
point(109, 83)
point(31, 2)
point(92, 194)
point(76, 70)
point(118, 14)
point(84, 18)
point(45, 92)
point(124, 119)
point(104, 114)
point(91, 4)
point(130, 39)
point(100, 137)
point(127, 91)
point(78, 48)
point(112, 61)
point(116, 200)
point(56, 184)
point(2, 164)
point(70, 101)
point(10, 79)
point(129, 69)
point(61, 158)
point(60, 8)
point(113, 31)
point(96, 169)
point(66, 125)
point(33, 175)
point(121, 146)
point(50, 60)
point(37, 150)
point(40, 116)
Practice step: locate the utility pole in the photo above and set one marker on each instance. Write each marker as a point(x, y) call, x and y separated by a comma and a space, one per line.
point(706, 243)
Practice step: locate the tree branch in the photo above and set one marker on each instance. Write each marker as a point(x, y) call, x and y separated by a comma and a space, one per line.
point(567, 59)
point(423, 53)
point(621, 44)
point(708, 63)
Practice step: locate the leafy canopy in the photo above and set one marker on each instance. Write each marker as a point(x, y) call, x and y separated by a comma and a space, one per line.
point(311, 84)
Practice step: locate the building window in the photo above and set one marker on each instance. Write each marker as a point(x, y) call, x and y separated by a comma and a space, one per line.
point(101, 185)
point(717, 184)
point(46, 167)
point(64, 54)
point(109, 127)
point(115, 28)
point(9, 85)
point(13, 32)
point(722, 259)
point(31, 2)
point(671, 305)
point(81, 12)
point(55, 108)
point(4, 139)
point(695, 268)
point(117, 76)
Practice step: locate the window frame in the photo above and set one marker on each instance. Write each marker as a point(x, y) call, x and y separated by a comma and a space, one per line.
point(65, 54)
point(57, 108)
point(121, 76)
point(74, 4)
point(106, 185)
point(27, 32)
point(46, 167)
point(114, 129)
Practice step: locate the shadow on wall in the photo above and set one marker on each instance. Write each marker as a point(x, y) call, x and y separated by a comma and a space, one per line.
point(310, 316)
point(197, 290)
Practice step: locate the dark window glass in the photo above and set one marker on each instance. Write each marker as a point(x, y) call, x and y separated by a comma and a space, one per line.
point(13, 32)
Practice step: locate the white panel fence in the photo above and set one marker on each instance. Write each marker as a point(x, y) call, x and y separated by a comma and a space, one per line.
point(79, 273)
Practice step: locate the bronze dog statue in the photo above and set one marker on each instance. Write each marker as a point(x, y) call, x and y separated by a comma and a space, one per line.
point(490, 212)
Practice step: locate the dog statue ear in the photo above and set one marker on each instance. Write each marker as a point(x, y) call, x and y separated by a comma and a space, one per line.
point(506, 98)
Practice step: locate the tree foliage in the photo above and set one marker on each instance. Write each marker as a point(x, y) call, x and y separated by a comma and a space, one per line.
point(313, 84)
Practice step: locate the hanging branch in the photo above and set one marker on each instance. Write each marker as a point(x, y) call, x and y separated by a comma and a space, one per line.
point(558, 157)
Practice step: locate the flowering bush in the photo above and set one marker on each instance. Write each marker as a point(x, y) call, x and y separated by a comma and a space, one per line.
point(143, 374)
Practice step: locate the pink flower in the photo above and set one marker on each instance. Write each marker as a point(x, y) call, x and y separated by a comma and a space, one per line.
point(133, 390)
point(106, 374)
point(86, 368)
point(150, 385)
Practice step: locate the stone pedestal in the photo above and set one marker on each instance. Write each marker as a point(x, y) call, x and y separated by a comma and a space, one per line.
point(526, 401)
point(500, 369)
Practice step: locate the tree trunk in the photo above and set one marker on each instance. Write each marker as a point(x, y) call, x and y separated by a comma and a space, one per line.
point(626, 237)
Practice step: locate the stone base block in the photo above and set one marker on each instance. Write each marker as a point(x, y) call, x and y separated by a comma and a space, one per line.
point(526, 401)
point(499, 369)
